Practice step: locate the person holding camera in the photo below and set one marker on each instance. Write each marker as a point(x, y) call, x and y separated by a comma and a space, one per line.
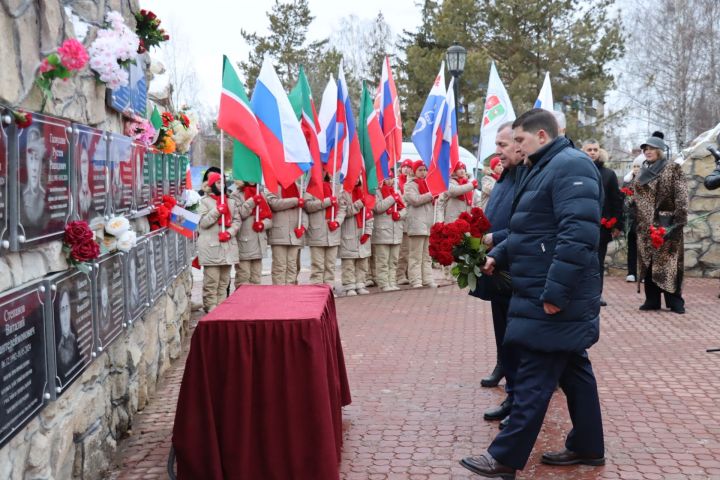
point(661, 199)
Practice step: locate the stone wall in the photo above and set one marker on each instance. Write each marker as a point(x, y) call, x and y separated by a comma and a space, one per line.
point(75, 436)
point(702, 238)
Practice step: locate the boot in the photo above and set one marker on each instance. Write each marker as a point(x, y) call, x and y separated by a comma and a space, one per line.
point(494, 378)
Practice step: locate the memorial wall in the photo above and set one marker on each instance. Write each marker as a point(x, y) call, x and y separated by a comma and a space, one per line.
point(82, 345)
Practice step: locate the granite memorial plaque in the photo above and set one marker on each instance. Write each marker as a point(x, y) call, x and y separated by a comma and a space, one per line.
point(171, 161)
point(155, 265)
point(72, 326)
point(43, 193)
point(90, 179)
point(142, 186)
point(6, 124)
point(171, 255)
point(24, 381)
point(121, 177)
point(181, 251)
point(159, 178)
point(137, 281)
point(109, 300)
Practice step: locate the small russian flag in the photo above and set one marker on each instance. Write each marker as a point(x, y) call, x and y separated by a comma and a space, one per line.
point(183, 221)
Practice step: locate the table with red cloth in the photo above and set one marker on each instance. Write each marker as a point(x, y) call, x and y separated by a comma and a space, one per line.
point(263, 388)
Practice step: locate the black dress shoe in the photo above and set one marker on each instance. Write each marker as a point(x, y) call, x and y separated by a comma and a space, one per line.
point(680, 310)
point(486, 466)
point(498, 413)
point(504, 422)
point(494, 378)
point(567, 457)
point(646, 307)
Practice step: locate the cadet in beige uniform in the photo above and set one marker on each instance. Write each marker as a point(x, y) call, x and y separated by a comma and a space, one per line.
point(406, 174)
point(420, 218)
point(256, 219)
point(323, 234)
point(285, 236)
point(389, 212)
point(355, 243)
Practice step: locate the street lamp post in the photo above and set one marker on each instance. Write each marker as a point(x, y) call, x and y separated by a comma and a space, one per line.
point(455, 57)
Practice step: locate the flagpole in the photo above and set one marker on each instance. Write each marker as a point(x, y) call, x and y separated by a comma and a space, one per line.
point(334, 172)
point(222, 175)
point(302, 194)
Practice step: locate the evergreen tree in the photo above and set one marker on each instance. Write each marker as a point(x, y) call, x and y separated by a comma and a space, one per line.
point(575, 41)
point(286, 44)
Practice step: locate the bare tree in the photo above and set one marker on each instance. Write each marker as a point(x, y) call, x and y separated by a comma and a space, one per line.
point(671, 62)
point(181, 71)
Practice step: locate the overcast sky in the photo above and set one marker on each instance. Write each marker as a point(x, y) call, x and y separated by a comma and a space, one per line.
point(211, 28)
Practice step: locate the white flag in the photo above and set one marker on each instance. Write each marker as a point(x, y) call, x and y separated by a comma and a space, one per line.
point(498, 110)
point(545, 97)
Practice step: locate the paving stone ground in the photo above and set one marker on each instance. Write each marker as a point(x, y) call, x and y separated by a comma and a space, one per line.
point(415, 359)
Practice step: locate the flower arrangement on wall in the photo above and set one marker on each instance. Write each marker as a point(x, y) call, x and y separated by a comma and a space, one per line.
point(149, 31)
point(141, 130)
point(185, 128)
point(118, 235)
point(79, 245)
point(113, 50)
point(70, 57)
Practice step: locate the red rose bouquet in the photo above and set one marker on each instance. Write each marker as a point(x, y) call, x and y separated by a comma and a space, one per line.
point(608, 223)
point(149, 31)
point(79, 245)
point(460, 242)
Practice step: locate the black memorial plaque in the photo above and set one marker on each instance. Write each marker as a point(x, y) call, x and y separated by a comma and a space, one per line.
point(109, 300)
point(72, 327)
point(181, 252)
point(6, 124)
point(23, 358)
point(160, 176)
point(121, 177)
point(171, 254)
point(156, 266)
point(137, 280)
point(142, 186)
point(90, 174)
point(183, 162)
point(43, 194)
point(171, 181)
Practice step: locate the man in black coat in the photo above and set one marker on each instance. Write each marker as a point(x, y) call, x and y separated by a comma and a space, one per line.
point(498, 213)
point(554, 312)
point(612, 210)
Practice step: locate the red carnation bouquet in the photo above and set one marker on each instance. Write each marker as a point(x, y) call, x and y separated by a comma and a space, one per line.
point(460, 242)
point(149, 31)
point(79, 245)
point(160, 217)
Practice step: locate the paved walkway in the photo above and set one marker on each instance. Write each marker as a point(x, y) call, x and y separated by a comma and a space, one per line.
point(415, 359)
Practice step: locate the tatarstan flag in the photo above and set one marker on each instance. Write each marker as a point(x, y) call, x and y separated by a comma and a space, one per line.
point(251, 161)
point(372, 141)
point(304, 107)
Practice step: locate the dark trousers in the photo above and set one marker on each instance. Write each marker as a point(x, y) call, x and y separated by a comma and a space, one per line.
point(652, 294)
point(632, 251)
point(605, 239)
point(500, 307)
point(537, 375)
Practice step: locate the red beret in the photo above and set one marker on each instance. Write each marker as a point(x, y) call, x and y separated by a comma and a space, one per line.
point(459, 166)
point(212, 178)
point(417, 164)
point(494, 162)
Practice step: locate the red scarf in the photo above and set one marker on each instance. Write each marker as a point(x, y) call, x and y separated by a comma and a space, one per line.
point(389, 191)
point(250, 191)
point(469, 195)
point(291, 192)
point(422, 186)
point(402, 180)
point(227, 218)
point(359, 194)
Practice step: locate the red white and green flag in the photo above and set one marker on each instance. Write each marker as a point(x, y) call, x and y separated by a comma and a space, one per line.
point(251, 161)
point(372, 141)
point(304, 107)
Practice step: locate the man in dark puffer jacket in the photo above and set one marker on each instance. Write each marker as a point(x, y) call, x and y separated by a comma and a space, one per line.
point(552, 250)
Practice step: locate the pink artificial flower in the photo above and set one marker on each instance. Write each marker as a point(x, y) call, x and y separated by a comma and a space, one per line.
point(45, 66)
point(73, 54)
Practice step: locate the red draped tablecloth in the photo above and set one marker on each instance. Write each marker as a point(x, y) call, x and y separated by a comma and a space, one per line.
point(263, 387)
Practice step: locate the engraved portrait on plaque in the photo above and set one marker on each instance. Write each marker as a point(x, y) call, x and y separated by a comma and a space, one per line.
point(72, 326)
point(172, 174)
point(137, 280)
point(110, 300)
point(156, 267)
point(23, 358)
point(160, 184)
point(43, 179)
point(121, 177)
point(89, 168)
point(183, 163)
point(142, 186)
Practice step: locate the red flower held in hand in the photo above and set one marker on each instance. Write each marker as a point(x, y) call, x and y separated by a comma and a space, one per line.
point(608, 223)
point(627, 191)
point(657, 236)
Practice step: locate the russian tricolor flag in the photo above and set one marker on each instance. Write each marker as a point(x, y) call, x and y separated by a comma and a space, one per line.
point(450, 136)
point(545, 97)
point(352, 161)
point(183, 221)
point(329, 127)
point(283, 135)
point(430, 130)
point(388, 106)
